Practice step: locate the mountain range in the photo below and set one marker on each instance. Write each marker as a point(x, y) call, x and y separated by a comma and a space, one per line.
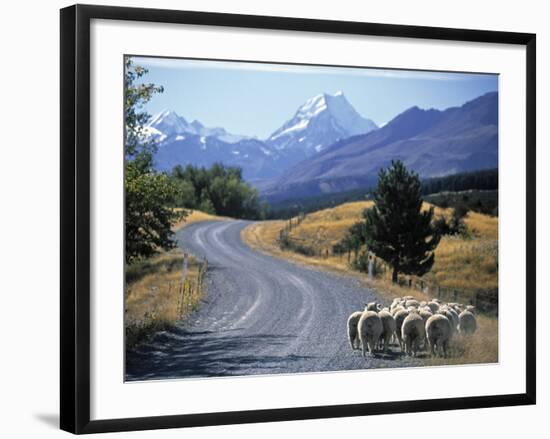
point(431, 142)
point(328, 147)
point(317, 124)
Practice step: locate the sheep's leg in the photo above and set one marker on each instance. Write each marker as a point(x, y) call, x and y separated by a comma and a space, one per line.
point(351, 339)
point(373, 342)
point(363, 347)
point(444, 349)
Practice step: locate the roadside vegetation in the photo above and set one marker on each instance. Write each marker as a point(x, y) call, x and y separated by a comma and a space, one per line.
point(461, 261)
point(157, 296)
point(157, 291)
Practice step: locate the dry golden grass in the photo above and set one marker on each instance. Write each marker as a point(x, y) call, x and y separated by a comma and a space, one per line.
point(196, 216)
point(156, 296)
point(461, 263)
point(481, 347)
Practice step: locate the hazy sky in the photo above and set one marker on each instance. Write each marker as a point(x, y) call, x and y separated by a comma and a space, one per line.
point(256, 98)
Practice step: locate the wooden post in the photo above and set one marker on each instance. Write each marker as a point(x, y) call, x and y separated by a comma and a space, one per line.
point(185, 265)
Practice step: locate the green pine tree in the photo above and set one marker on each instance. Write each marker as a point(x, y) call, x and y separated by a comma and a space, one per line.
point(397, 230)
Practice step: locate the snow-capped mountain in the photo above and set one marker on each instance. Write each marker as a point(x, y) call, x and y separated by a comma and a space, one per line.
point(321, 121)
point(183, 143)
point(168, 123)
point(317, 124)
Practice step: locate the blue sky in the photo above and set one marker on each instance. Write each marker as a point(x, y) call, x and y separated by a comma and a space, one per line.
point(257, 98)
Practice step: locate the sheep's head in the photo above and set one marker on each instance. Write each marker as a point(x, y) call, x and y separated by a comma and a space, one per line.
point(372, 306)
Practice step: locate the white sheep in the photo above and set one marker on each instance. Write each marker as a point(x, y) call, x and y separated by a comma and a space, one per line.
point(434, 306)
point(370, 328)
point(388, 328)
point(455, 319)
point(353, 336)
point(372, 306)
point(438, 332)
point(425, 309)
point(450, 314)
point(425, 313)
point(467, 323)
point(400, 317)
point(413, 332)
point(412, 303)
point(395, 310)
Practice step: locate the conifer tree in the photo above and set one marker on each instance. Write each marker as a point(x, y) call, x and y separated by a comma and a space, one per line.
point(396, 229)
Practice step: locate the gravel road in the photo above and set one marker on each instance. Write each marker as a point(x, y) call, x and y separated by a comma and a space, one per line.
point(261, 315)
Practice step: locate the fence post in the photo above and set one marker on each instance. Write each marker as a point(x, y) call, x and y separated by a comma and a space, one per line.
point(185, 265)
point(180, 307)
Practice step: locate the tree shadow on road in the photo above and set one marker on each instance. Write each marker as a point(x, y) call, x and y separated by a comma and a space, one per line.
point(179, 354)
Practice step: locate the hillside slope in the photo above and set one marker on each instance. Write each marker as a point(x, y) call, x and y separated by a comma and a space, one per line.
point(430, 142)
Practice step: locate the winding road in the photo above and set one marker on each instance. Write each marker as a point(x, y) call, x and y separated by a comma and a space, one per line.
point(261, 315)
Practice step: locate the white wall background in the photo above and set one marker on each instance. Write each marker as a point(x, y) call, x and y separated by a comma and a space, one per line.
point(29, 186)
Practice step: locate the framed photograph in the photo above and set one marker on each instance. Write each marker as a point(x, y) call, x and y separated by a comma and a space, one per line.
point(275, 218)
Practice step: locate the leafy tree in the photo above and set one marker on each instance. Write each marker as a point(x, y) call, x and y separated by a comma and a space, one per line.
point(396, 229)
point(147, 194)
point(137, 148)
point(219, 189)
point(148, 220)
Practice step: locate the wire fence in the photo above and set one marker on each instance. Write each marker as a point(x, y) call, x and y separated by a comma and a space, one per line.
point(485, 300)
point(162, 304)
point(190, 290)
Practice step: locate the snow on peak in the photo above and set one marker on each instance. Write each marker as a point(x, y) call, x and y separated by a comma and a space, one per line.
point(319, 122)
point(168, 123)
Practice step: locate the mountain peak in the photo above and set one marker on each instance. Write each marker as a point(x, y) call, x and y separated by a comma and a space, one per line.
point(322, 120)
point(168, 121)
point(197, 125)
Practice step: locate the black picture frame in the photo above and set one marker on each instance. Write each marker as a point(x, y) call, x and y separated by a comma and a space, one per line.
point(75, 217)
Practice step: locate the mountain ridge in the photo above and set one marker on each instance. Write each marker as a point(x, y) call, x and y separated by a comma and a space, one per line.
point(316, 124)
point(431, 142)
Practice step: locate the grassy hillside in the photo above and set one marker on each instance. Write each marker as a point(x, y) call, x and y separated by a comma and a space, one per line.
point(460, 262)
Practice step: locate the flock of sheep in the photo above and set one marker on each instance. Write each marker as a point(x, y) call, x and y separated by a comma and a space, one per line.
point(413, 323)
